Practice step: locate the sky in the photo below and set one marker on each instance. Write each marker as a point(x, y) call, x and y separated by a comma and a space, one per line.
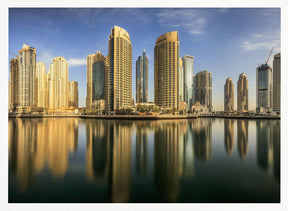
point(224, 41)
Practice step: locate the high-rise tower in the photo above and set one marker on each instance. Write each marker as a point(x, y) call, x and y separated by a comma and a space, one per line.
point(264, 85)
point(119, 70)
point(96, 67)
point(142, 78)
point(27, 76)
point(202, 88)
point(188, 79)
point(242, 93)
point(42, 88)
point(73, 94)
point(277, 82)
point(14, 84)
point(166, 63)
point(229, 95)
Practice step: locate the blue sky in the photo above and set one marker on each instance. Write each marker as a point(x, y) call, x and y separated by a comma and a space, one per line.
point(226, 42)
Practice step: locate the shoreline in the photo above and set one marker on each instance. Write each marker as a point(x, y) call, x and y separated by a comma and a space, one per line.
point(147, 117)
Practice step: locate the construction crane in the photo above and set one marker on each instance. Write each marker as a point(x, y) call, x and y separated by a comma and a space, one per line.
point(269, 56)
point(13, 54)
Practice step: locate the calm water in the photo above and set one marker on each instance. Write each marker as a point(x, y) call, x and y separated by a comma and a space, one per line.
point(201, 160)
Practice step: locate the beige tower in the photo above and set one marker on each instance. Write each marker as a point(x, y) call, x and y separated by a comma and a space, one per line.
point(202, 91)
point(242, 93)
point(27, 76)
point(14, 84)
point(166, 62)
point(119, 73)
point(96, 68)
point(229, 95)
point(277, 82)
point(73, 94)
point(58, 84)
point(42, 88)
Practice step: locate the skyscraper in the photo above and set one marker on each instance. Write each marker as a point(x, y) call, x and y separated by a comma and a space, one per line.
point(14, 84)
point(73, 94)
point(96, 67)
point(58, 84)
point(202, 88)
point(277, 82)
point(242, 93)
point(119, 70)
point(180, 81)
point(27, 75)
point(142, 78)
point(166, 63)
point(229, 95)
point(188, 79)
point(42, 91)
point(264, 85)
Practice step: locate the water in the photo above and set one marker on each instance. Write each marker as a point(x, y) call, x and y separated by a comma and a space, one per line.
point(199, 160)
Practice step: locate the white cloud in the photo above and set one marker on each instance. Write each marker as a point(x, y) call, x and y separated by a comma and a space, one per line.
point(76, 62)
point(45, 57)
point(263, 41)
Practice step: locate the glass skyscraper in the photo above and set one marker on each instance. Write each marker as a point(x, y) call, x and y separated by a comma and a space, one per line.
point(188, 79)
point(142, 78)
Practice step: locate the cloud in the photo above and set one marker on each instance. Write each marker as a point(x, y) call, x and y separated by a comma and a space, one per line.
point(261, 42)
point(45, 57)
point(76, 62)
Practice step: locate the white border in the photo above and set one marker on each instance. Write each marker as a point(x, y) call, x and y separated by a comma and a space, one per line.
point(151, 3)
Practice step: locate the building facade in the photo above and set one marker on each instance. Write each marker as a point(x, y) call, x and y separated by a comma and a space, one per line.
point(14, 84)
point(188, 62)
point(277, 82)
point(73, 94)
point(242, 93)
point(42, 88)
point(142, 78)
point(27, 76)
point(229, 95)
point(58, 83)
point(96, 67)
point(202, 88)
point(166, 64)
point(118, 77)
point(264, 87)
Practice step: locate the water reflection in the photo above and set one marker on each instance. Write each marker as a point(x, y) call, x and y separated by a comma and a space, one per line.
point(168, 157)
point(268, 146)
point(202, 139)
point(170, 146)
point(35, 142)
point(242, 138)
point(229, 135)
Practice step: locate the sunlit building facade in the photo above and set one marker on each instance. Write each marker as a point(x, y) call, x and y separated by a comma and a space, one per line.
point(181, 81)
point(277, 82)
point(229, 95)
point(118, 79)
point(58, 84)
point(73, 94)
point(166, 67)
point(142, 78)
point(242, 93)
point(188, 62)
point(42, 88)
point(27, 76)
point(14, 84)
point(202, 88)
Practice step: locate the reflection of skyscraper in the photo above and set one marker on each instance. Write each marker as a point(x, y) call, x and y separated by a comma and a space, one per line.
point(242, 138)
point(168, 157)
point(276, 148)
point(141, 152)
point(264, 144)
point(202, 139)
point(188, 154)
point(97, 149)
point(166, 63)
point(46, 141)
point(229, 135)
